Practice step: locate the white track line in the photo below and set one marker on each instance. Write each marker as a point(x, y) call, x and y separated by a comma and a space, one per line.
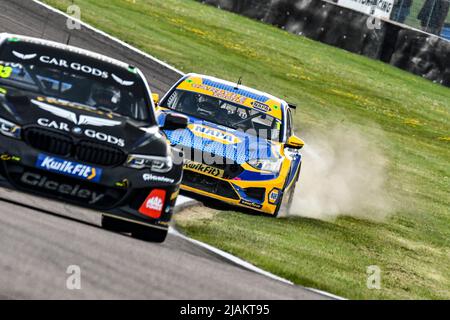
point(326, 294)
point(229, 257)
point(183, 201)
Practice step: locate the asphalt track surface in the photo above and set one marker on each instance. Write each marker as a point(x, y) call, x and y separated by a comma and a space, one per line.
point(40, 239)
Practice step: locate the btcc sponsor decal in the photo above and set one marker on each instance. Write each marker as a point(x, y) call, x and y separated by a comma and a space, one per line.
point(221, 94)
point(74, 66)
point(273, 196)
point(68, 168)
point(24, 56)
point(121, 81)
point(72, 116)
point(39, 181)
point(250, 204)
point(78, 131)
point(8, 157)
point(237, 91)
point(61, 46)
point(154, 204)
point(73, 105)
point(203, 169)
point(123, 184)
point(5, 71)
point(152, 177)
point(261, 106)
point(213, 134)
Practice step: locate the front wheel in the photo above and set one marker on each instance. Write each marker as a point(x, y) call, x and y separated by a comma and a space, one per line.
point(285, 203)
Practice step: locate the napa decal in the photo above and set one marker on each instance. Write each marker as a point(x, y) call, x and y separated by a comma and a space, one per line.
point(274, 195)
point(68, 168)
point(213, 134)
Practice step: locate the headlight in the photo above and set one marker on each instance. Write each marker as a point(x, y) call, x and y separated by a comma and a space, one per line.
point(156, 164)
point(9, 129)
point(271, 165)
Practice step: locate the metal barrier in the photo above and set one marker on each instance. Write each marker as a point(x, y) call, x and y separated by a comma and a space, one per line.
point(364, 27)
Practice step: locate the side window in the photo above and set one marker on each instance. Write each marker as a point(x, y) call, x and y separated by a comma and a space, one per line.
point(289, 123)
point(173, 100)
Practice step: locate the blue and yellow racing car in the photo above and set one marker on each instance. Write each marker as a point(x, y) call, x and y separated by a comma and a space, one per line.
point(239, 146)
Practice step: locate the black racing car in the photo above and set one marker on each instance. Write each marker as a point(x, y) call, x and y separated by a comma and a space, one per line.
point(80, 127)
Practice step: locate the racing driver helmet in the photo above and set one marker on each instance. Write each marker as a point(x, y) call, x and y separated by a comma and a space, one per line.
point(105, 96)
point(208, 106)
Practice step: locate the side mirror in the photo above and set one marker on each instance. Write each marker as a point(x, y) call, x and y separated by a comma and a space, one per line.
point(155, 98)
point(294, 143)
point(174, 122)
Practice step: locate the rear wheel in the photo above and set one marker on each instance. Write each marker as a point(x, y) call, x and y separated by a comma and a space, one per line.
point(149, 234)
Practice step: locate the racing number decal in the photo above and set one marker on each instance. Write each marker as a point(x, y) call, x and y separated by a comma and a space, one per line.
point(5, 72)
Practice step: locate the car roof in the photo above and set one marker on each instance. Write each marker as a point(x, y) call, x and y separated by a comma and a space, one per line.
point(64, 47)
point(82, 52)
point(233, 92)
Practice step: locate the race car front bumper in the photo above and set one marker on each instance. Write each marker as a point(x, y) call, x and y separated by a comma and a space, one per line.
point(119, 191)
point(262, 195)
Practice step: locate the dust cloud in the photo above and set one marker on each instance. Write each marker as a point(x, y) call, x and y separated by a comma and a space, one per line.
point(343, 174)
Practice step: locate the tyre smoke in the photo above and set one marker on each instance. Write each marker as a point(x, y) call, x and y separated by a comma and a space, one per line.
point(342, 175)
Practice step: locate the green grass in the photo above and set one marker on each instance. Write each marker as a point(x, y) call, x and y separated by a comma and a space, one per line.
point(330, 86)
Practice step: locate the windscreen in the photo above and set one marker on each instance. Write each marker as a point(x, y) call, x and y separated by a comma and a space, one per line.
point(225, 113)
point(72, 77)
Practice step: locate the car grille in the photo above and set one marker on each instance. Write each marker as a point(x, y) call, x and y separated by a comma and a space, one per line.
point(209, 184)
point(51, 142)
point(63, 145)
point(92, 152)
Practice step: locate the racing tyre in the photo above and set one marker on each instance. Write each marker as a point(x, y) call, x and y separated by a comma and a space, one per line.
point(112, 224)
point(285, 204)
point(149, 234)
